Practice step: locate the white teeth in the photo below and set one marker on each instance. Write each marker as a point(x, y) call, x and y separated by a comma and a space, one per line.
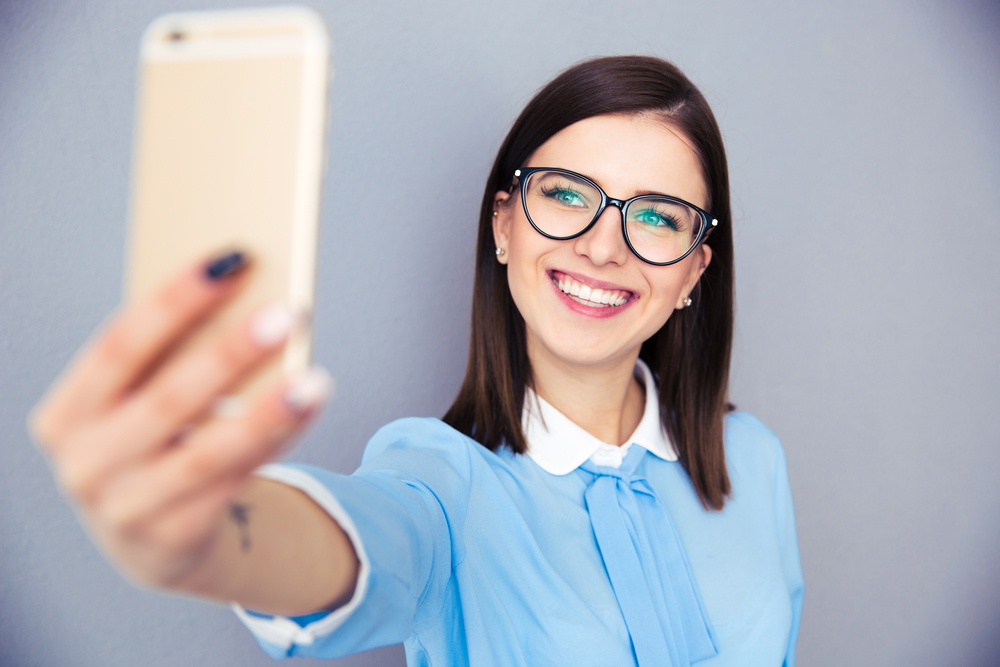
point(592, 296)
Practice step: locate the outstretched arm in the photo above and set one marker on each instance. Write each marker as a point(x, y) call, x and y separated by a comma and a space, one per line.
point(164, 486)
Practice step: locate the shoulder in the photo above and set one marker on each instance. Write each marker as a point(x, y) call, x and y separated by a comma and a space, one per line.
point(745, 430)
point(415, 432)
point(443, 467)
point(752, 449)
point(424, 444)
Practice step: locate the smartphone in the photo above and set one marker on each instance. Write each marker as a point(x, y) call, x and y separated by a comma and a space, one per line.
point(228, 154)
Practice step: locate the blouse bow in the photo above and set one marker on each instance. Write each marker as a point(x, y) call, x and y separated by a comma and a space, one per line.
point(649, 572)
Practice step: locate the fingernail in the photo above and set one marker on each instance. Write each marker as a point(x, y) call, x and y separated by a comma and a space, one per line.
point(229, 407)
point(225, 266)
point(272, 325)
point(309, 390)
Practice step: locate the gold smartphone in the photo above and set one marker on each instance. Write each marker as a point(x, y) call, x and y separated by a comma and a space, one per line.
point(228, 154)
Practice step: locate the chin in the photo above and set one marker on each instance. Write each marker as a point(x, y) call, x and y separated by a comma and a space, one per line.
point(578, 351)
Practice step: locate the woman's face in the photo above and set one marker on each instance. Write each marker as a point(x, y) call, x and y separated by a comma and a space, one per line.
point(626, 156)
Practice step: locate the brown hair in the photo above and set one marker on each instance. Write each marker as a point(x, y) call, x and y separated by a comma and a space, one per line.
point(689, 355)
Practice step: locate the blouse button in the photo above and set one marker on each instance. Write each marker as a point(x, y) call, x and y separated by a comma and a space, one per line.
point(608, 457)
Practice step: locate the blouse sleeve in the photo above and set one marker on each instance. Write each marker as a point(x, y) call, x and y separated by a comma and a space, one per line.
point(789, 544)
point(404, 529)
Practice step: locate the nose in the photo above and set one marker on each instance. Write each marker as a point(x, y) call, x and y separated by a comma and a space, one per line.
point(603, 243)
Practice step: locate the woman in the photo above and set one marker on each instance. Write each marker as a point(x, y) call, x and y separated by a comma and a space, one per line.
point(588, 499)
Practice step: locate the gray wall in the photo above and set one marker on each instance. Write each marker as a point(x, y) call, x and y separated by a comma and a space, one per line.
point(865, 157)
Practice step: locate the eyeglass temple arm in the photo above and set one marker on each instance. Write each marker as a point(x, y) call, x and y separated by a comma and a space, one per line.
point(708, 230)
point(515, 181)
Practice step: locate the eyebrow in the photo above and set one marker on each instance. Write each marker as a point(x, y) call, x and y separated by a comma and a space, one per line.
point(638, 193)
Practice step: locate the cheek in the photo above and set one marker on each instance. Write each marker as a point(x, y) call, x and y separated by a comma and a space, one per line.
point(658, 317)
point(669, 292)
point(666, 286)
point(526, 248)
point(517, 283)
point(521, 272)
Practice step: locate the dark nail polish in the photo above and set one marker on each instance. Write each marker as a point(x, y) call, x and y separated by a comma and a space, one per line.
point(225, 266)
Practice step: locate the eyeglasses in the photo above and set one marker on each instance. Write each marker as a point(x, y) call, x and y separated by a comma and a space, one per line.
point(658, 229)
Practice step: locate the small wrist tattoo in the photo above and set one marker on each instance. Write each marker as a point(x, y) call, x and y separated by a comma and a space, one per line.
point(240, 514)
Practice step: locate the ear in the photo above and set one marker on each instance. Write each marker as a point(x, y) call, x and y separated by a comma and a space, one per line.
point(501, 223)
point(702, 256)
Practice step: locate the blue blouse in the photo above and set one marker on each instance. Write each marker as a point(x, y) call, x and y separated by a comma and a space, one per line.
point(473, 557)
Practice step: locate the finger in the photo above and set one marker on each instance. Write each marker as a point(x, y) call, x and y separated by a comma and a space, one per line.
point(222, 449)
point(132, 341)
point(180, 393)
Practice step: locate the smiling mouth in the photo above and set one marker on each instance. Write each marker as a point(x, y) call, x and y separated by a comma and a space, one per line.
point(594, 297)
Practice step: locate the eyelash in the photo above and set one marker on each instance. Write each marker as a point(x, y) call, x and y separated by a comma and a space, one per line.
point(548, 190)
point(670, 221)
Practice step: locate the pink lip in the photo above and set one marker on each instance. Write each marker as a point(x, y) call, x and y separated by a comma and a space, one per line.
point(599, 312)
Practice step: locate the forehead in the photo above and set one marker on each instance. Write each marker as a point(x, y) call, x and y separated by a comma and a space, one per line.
point(627, 155)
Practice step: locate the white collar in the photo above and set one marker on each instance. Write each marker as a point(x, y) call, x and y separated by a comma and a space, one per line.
point(559, 446)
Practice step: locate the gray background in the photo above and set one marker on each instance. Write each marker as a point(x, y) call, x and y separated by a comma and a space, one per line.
point(865, 155)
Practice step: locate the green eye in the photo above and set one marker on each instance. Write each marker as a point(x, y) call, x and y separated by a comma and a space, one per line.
point(565, 197)
point(654, 218)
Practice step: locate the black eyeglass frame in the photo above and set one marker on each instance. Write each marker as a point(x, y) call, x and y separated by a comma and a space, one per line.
point(709, 222)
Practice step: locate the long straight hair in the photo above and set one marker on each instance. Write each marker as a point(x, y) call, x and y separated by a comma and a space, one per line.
point(690, 354)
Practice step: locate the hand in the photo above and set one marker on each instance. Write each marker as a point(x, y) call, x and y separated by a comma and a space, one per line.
point(132, 439)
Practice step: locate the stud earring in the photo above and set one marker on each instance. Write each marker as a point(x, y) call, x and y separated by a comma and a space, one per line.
point(687, 301)
point(495, 213)
point(499, 251)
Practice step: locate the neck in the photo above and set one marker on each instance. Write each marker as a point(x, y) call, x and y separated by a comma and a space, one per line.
point(603, 399)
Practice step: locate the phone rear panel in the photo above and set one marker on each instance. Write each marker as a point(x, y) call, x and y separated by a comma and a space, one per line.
point(228, 155)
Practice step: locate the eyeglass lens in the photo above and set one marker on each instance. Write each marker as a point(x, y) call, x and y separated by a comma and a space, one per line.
point(563, 205)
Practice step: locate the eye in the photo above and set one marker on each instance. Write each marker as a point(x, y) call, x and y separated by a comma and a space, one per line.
point(565, 196)
point(652, 217)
